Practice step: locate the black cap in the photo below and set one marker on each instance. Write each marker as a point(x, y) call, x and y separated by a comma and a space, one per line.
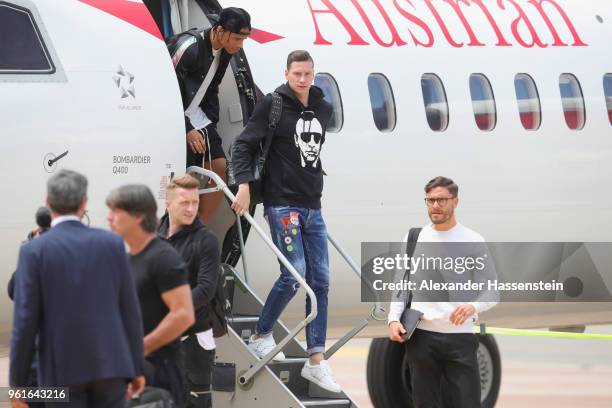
point(234, 19)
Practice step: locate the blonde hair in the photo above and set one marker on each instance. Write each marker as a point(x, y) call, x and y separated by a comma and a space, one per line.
point(185, 181)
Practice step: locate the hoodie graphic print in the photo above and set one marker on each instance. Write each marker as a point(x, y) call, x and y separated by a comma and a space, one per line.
point(308, 138)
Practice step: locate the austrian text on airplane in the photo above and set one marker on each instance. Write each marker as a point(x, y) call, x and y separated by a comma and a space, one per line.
point(523, 23)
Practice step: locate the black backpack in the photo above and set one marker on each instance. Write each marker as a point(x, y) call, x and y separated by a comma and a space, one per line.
point(152, 397)
point(173, 43)
point(220, 308)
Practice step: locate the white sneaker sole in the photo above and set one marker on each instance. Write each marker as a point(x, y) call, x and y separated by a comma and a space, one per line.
point(279, 357)
point(313, 380)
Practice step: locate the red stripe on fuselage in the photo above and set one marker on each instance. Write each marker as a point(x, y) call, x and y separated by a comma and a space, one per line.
point(263, 37)
point(131, 12)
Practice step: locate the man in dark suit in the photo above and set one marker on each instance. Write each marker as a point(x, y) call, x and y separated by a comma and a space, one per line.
point(74, 291)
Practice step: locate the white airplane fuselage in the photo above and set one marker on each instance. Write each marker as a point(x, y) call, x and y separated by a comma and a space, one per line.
point(550, 184)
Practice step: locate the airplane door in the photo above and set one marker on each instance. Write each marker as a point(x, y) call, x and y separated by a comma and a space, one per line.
point(237, 98)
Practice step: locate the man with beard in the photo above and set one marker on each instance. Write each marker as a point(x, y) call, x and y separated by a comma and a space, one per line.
point(444, 344)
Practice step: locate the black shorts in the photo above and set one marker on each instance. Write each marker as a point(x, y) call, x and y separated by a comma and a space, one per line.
point(214, 143)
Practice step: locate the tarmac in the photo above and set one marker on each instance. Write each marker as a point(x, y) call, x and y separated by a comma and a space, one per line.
point(536, 372)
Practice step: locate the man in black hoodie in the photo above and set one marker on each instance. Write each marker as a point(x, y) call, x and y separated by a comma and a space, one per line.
point(199, 248)
point(200, 65)
point(293, 182)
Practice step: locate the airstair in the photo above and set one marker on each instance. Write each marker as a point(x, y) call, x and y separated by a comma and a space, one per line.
point(243, 380)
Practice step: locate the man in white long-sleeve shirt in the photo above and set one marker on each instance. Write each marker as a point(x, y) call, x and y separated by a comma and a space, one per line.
point(444, 344)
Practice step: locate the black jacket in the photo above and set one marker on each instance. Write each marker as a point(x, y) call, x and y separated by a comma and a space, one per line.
point(293, 174)
point(199, 248)
point(192, 65)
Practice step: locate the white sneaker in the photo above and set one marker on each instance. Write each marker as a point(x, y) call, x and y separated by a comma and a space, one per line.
point(263, 345)
point(321, 375)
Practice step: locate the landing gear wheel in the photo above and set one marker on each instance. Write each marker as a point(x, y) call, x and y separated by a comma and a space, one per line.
point(388, 375)
point(489, 362)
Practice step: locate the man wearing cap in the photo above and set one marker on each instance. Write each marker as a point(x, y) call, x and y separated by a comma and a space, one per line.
point(200, 67)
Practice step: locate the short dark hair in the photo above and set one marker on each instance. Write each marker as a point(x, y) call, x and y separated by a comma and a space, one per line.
point(136, 199)
point(443, 182)
point(233, 19)
point(65, 191)
point(298, 56)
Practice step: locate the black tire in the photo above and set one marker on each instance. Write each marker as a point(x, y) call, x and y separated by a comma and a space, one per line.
point(389, 378)
point(490, 369)
point(388, 387)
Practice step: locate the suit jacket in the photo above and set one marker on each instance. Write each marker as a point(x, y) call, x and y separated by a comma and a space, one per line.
point(74, 290)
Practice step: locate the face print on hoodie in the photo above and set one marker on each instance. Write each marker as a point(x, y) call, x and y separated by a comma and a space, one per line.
point(307, 138)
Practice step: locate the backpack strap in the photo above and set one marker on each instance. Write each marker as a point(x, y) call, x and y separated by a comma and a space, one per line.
point(276, 110)
point(413, 238)
point(176, 43)
point(197, 33)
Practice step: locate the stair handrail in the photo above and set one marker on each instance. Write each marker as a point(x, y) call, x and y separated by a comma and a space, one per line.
point(244, 379)
point(377, 312)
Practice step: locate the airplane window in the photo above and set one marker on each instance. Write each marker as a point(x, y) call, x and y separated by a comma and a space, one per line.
point(23, 50)
point(332, 95)
point(436, 104)
point(483, 102)
point(608, 92)
point(528, 99)
point(383, 102)
point(573, 101)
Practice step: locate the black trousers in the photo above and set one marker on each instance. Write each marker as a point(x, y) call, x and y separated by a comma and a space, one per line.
point(434, 357)
point(167, 371)
point(108, 393)
point(198, 365)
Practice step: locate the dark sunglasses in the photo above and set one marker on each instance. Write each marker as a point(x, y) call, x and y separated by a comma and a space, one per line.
point(307, 136)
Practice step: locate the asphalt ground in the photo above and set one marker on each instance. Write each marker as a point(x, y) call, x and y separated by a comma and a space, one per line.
point(536, 372)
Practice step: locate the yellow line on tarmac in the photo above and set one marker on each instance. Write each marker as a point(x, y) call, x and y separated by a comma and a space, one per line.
point(543, 333)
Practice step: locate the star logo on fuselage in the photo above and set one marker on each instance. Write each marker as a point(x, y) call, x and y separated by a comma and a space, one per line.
point(125, 82)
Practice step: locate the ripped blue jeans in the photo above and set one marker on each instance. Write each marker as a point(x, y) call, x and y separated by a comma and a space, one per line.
point(301, 236)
